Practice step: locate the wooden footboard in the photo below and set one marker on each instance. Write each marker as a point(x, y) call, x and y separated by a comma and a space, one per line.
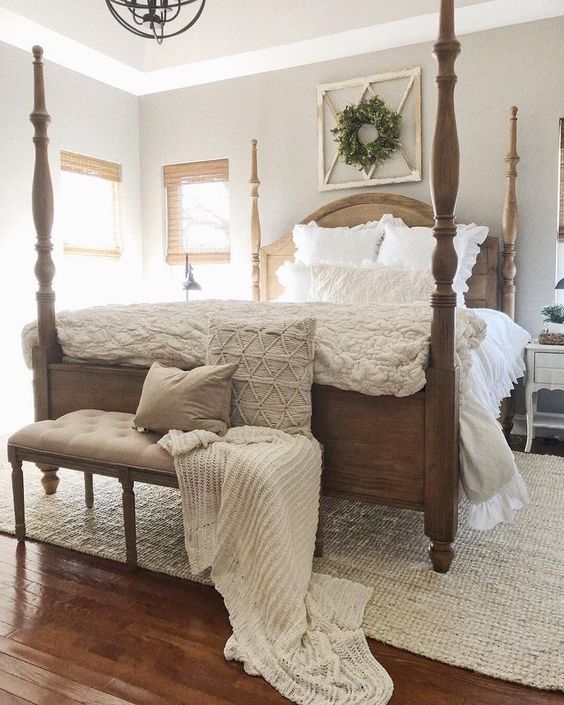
point(374, 446)
point(74, 386)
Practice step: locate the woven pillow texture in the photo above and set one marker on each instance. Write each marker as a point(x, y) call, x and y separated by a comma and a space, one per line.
point(272, 385)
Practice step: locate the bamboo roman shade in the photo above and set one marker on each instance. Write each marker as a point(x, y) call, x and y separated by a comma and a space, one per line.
point(90, 211)
point(90, 166)
point(561, 191)
point(197, 224)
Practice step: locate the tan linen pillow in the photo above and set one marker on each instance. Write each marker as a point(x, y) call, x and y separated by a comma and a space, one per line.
point(186, 401)
point(272, 385)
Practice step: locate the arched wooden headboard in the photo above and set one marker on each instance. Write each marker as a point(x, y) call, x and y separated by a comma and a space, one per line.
point(362, 208)
point(490, 285)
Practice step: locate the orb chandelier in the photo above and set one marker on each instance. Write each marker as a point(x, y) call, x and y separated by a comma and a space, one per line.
point(156, 19)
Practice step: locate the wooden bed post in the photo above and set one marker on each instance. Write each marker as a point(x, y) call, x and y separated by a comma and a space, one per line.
point(510, 221)
point(255, 223)
point(47, 350)
point(441, 434)
point(510, 225)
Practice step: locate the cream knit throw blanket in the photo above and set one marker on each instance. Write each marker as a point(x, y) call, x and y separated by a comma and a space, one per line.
point(250, 503)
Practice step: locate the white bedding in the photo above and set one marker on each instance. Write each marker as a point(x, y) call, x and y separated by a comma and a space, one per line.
point(498, 362)
point(370, 348)
point(491, 481)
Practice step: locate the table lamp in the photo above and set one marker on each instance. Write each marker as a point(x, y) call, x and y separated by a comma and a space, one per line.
point(189, 284)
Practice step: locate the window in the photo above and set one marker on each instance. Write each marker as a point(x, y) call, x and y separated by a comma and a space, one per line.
point(90, 205)
point(197, 211)
point(561, 193)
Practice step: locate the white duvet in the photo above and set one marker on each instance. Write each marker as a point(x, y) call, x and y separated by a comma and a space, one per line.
point(489, 476)
point(375, 349)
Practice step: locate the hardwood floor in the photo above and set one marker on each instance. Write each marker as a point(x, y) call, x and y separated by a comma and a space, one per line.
point(78, 629)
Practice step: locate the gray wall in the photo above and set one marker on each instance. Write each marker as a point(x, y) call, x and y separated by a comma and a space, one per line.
point(89, 118)
point(519, 65)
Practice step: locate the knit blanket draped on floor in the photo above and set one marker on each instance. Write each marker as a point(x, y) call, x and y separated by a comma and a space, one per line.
point(250, 503)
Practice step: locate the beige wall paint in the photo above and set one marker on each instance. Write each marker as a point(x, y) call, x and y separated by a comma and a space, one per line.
point(90, 118)
point(520, 65)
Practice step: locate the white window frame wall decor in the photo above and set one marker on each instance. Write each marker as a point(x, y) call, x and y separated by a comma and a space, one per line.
point(327, 115)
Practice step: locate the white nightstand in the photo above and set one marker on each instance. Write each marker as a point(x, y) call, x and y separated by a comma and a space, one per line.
point(545, 370)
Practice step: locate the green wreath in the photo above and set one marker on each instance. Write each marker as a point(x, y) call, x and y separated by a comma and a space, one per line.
point(368, 112)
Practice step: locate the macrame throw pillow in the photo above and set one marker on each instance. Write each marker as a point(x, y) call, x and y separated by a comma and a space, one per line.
point(272, 385)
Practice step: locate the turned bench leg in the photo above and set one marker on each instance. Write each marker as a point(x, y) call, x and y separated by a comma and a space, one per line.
point(50, 479)
point(128, 500)
point(318, 552)
point(19, 504)
point(88, 490)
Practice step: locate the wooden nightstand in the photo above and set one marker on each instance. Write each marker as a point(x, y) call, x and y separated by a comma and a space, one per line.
point(545, 370)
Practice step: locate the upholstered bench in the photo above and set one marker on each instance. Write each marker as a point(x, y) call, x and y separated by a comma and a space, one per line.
point(95, 442)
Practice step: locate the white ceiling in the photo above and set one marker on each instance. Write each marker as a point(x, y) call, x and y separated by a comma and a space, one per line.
point(240, 37)
point(86, 21)
point(230, 27)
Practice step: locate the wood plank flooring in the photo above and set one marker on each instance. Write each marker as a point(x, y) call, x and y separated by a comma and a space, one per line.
point(78, 629)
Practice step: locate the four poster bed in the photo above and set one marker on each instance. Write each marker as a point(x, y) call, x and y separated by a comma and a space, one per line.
point(412, 461)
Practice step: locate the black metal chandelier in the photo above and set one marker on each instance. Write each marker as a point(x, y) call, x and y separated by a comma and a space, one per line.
point(155, 19)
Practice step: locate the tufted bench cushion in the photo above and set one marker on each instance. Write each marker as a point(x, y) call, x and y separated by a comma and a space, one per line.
point(106, 436)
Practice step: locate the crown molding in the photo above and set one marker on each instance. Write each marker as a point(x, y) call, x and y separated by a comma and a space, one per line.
point(24, 33)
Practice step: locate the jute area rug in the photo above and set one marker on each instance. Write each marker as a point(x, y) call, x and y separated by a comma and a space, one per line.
point(500, 610)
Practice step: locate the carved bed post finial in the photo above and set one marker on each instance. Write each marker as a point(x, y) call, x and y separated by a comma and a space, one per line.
point(47, 350)
point(441, 449)
point(255, 222)
point(510, 221)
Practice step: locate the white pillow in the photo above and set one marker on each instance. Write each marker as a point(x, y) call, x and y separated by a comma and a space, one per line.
point(406, 248)
point(369, 284)
point(412, 249)
point(337, 245)
point(467, 245)
point(295, 277)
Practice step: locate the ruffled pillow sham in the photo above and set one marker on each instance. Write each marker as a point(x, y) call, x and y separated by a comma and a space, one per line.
point(344, 245)
point(412, 249)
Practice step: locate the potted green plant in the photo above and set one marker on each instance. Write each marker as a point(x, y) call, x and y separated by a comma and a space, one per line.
point(553, 316)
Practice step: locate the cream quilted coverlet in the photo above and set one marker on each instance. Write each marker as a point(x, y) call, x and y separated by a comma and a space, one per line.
point(376, 349)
